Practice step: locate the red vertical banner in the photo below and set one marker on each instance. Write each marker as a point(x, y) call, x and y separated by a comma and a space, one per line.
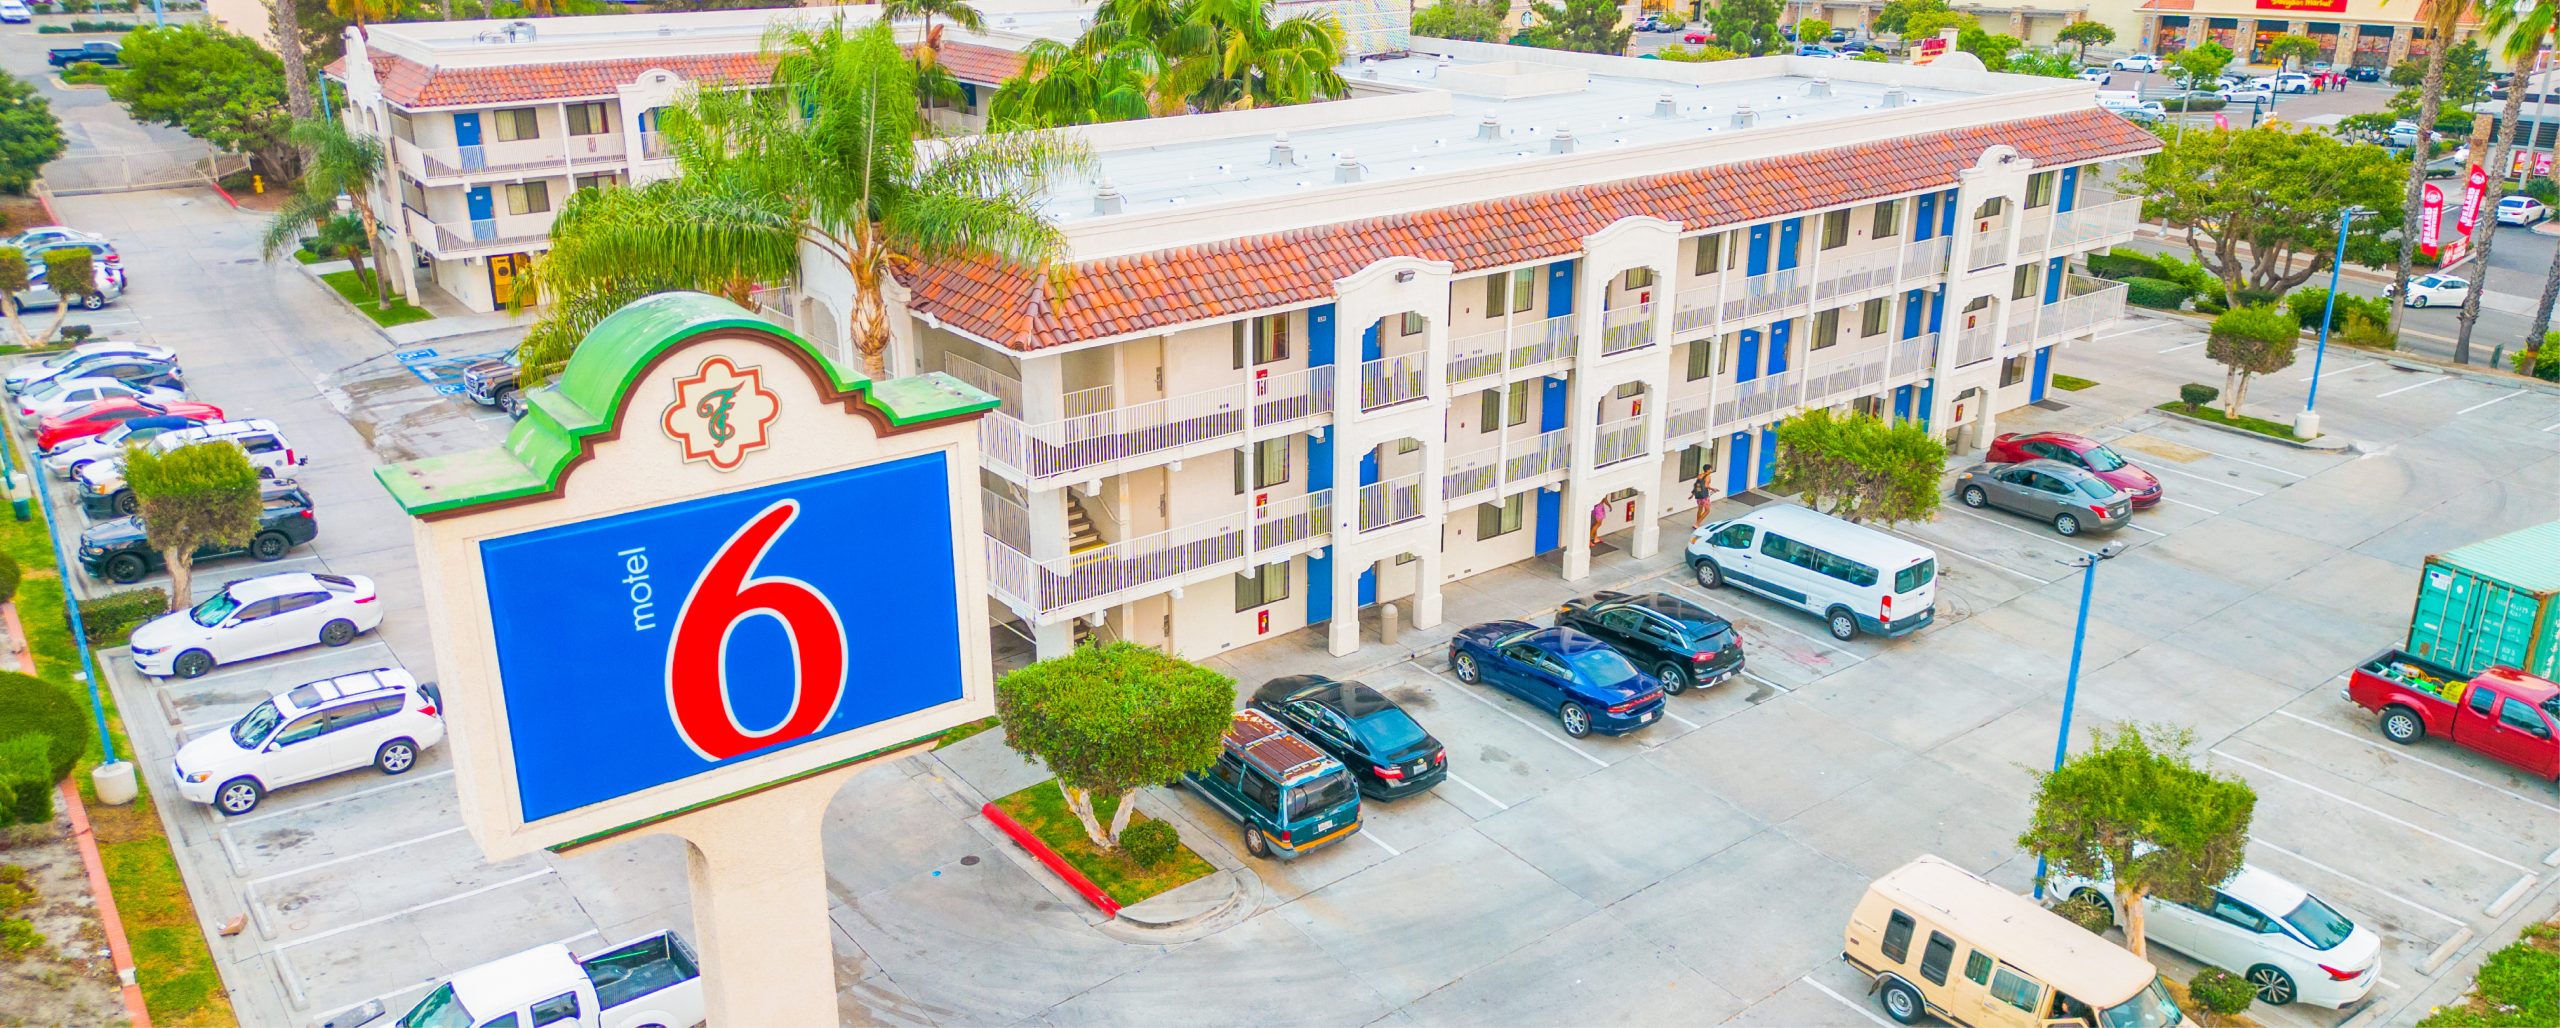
point(2221, 121)
point(2430, 218)
point(2542, 163)
point(2474, 189)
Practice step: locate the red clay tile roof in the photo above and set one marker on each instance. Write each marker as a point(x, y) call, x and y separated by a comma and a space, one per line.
point(413, 85)
point(970, 62)
point(1139, 292)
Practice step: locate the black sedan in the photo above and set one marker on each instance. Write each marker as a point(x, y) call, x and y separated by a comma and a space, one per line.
point(120, 551)
point(1683, 644)
point(1387, 751)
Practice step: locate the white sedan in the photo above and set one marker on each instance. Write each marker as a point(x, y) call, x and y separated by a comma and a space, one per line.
point(379, 719)
point(2100, 76)
point(2136, 62)
point(57, 397)
point(254, 617)
point(2430, 290)
point(2274, 933)
point(2521, 210)
point(2251, 93)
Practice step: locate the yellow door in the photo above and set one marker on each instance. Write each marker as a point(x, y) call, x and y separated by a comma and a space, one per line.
point(502, 276)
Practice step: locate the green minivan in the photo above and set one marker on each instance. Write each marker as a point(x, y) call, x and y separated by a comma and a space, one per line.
point(1289, 796)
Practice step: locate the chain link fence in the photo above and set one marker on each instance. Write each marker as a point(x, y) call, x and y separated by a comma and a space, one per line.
point(126, 171)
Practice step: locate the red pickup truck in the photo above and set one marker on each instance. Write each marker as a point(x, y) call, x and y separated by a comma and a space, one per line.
point(2502, 712)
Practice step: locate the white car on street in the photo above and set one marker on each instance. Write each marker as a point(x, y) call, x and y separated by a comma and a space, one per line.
point(2100, 76)
point(15, 13)
point(2136, 62)
point(2293, 82)
point(2274, 933)
point(2521, 210)
point(2250, 93)
point(380, 719)
point(60, 396)
point(254, 617)
point(32, 372)
point(2430, 290)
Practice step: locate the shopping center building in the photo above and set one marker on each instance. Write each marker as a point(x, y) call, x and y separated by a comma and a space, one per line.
point(2354, 33)
point(1307, 360)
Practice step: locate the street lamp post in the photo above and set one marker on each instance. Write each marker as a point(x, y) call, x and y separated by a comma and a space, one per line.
point(2071, 684)
point(2307, 423)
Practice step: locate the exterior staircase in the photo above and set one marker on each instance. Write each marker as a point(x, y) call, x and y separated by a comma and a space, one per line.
point(1081, 535)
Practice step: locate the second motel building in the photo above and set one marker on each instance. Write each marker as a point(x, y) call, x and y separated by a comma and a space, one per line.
point(1312, 359)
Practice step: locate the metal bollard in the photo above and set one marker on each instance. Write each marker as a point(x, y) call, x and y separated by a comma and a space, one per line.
point(2499, 358)
point(1387, 623)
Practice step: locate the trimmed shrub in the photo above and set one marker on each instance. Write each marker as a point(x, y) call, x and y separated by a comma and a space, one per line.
point(85, 71)
point(2221, 992)
point(1150, 843)
point(9, 575)
point(53, 30)
point(26, 793)
point(31, 706)
point(2195, 395)
point(2093, 916)
point(2370, 334)
point(106, 617)
point(2198, 103)
point(2307, 304)
point(2544, 363)
point(2204, 306)
point(2257, 298)
point(75, 334)
point(2158, 294)
point(2123, 265)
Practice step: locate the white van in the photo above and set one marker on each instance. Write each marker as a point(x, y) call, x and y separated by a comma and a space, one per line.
point(1856, 578)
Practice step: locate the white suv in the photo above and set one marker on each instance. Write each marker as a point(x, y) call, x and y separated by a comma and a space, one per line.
point(102, 489)
point(379, 718)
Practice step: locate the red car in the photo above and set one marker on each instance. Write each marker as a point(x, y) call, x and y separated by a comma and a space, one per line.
point(1698, 37)
point(2080, 452)
point(97, 418)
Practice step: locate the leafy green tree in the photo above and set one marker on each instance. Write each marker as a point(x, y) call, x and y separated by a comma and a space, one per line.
point(72, 275)
point(1462, 19)
point(2199, 66)
point(2259, 207)
point(760, 183)
point(2028, 61)
point(1859, 468)
point(218, 86)
point(1582, 26)
point(15, 276)
point(1895, 16)
point(1812, 30)
point(2250, 341)
point(2283, 51)
point(1111, 719)
point(2135, 810)
point(1748, 27)
point(343, 237)
point(192, 497)
point(342, 163)
point(1928, 24)
point(1705, 53)
point(2083, 35)
point(30, 136)
point(1993, 48)
point(1145, 58)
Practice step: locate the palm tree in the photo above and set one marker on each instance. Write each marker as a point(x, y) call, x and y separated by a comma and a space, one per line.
point(297, 64)
point(362, 13)
point(957, 12)
point(825, 162)
point(2520, 34)
point(1064, 85)
point(1229, 53)
point(1160, 57)
point(2440, 18)
point(342, 163)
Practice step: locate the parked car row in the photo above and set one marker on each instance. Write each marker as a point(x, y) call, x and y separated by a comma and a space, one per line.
point(2074, 483)
point(107, 265)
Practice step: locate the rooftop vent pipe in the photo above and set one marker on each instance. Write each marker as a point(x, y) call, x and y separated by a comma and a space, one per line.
point(1561, 142)
point(519, 32)
point(1896, 97)
point(1347, 169)
point(1665, 107)
point(1743, 118)
point(1109, 201)
point(1282, 154)
point(1819, 88)
point(1489, 128)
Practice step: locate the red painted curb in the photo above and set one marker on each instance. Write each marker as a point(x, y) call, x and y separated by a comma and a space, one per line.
point(45, 197)
point(108, 921)
point(1040, 850)
point(225, 194)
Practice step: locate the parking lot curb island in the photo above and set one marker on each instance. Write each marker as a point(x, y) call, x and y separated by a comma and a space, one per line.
point(1050, 859)
point(2326, 443)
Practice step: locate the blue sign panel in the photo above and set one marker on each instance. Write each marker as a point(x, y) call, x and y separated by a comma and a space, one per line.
point(648, 647)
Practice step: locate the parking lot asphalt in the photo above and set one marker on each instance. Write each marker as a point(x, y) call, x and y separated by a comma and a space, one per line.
point(1697, 871)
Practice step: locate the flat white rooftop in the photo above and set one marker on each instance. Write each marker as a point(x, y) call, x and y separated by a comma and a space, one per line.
point(609, 37)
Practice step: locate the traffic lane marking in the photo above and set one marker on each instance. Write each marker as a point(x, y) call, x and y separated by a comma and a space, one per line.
point(2402, 822)
point(2335, 372)
point(1559, 740)
point(2490, 402)
point(2418, 385)
point(2190, 506)
point(1462, 783)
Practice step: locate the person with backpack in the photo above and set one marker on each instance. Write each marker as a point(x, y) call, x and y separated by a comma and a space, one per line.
point(1703, 490)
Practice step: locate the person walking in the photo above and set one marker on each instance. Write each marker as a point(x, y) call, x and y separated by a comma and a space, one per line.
point(1599, 515)
point(1703, 490)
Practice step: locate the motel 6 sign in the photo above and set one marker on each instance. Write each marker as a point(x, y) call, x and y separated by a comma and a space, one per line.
point(705, 563)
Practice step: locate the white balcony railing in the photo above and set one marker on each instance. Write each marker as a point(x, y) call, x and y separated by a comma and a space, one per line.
point(1760, 397)
point(1627, 328)
point(1975, 345)
point(558, 156)
point(1927, 258)
point(1990, 249)
point(1773, 291)
point(1477, 357)
point(1080, 442)
point(1541, 343)
point(1005, 388)
point(2034, 231)
point(1471, 474)
point(1392, 502)
point(1148, 564)
point(1685, 421)
point(484, 235)
point(1388, 381)
point(1006, 521)
point(1549, 453)
point(1915, 356)
point(1845, 377)
point(2093, 225)
point(2090, 304)
point(1859, 273)
point(1620, 440)
point(653, 146)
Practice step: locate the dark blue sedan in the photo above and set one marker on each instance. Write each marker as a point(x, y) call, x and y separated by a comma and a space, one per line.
point(1584, 683)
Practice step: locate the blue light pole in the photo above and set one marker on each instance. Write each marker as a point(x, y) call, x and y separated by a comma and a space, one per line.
point(2071, 684)
point(2307, 423)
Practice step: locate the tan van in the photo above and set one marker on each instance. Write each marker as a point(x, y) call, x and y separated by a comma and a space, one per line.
point(1940, 941)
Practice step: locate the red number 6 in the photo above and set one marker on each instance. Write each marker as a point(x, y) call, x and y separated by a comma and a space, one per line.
point(723, 598)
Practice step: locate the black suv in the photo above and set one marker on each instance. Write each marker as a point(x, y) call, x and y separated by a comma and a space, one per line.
point(1677, 641)
point(1388, 753)
point(120, 551)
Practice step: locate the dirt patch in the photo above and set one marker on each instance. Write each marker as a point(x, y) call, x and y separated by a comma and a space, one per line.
point(66, 978)
point(18, 212)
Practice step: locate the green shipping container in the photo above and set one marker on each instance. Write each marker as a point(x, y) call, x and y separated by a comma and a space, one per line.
point(2492, 603)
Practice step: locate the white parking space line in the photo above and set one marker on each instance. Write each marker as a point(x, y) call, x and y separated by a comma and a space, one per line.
point(300, 807)
point(2406, 388)
point(1471, 787)
point(1701, 597)
point(2189, 346)
point(1367, 833)
point(2552, 427)
point(2485, 403)
point(1497, 708)
point(2201, 478)
point(1666, 712)
point(335, 861)
point(2402, 754)
point(2038, 536)
point(2190, 506)
point(238, 670)
point(2335, 372)
point(2362, 884)
point(1844, 1001)
point(1746, 673)
point(416, 907)
point(2139, 528)
point(2420, 829)
point(1986, 561)
point(2245, 460)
